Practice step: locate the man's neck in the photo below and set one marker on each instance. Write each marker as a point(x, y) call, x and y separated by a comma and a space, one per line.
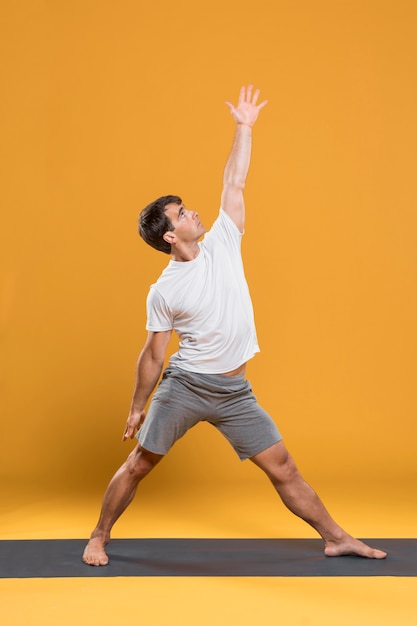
point(185, 253)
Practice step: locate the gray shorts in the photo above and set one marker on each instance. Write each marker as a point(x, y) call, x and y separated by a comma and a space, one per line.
point(183, 399)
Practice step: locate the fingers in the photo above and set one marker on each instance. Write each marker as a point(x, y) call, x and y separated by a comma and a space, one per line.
point(246, 96)
point(242, 95)
point(255, 100)
point(133, 424)
point(249, 94)
point(261, 106)
point(129, 431)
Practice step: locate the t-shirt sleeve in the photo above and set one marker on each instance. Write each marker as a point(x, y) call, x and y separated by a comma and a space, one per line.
point(159, 316)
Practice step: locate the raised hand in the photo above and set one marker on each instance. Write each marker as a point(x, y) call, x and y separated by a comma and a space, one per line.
point(247, 111)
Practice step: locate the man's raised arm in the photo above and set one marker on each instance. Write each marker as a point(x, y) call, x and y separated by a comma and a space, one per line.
point(237, 166)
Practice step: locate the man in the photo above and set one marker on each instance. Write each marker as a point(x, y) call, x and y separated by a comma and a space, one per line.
point(203, 296)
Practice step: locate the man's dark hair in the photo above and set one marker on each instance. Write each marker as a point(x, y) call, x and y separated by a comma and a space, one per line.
point(154, 223)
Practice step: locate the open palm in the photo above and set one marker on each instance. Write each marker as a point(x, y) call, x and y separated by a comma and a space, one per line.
point(247, 110)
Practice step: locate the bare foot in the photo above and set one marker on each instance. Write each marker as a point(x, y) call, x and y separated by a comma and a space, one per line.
point(350, 546)
point(94, 553)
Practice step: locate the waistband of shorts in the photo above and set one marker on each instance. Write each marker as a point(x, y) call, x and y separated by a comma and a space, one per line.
point(217, 379)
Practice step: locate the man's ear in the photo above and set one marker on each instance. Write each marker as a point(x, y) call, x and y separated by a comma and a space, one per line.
point(169, 237)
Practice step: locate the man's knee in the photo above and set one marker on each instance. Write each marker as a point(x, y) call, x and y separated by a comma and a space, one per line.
point(140, 461)
point(277, 463)
point(284, 471)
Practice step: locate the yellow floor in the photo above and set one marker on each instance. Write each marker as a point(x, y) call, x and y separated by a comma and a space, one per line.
point(193, 510)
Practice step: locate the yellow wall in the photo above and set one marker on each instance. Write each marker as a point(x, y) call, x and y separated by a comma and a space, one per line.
point(107, 105)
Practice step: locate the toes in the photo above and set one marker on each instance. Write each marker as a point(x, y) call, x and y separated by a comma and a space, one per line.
point(95, 559)
point(379, 554)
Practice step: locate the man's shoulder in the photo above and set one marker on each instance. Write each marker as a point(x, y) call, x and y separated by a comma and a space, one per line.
point(177, 276)
point(224, 234)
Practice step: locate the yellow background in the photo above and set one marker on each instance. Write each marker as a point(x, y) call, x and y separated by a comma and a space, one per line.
point(107, 105)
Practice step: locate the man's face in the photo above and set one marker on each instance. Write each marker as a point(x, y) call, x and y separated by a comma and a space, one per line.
point(188, 227)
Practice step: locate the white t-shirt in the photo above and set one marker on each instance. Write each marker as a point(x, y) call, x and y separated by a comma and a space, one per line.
point(207, 302)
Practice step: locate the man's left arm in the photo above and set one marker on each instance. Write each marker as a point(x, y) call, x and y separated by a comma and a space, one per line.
point(234, 179)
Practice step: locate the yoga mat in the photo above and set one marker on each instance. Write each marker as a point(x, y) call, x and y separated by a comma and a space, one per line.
point(55, 558)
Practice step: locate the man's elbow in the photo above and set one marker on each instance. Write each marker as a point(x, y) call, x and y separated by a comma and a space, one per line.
point(235, 184)
point(155, 359)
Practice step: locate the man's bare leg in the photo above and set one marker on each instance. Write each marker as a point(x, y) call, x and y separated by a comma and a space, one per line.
point(119, 494)
point(301, 500)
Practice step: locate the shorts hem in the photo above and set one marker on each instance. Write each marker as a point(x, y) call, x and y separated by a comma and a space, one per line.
point(263, 448)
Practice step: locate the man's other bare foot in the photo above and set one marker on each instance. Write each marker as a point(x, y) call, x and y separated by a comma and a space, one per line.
point(94, 553)
point(351, 546)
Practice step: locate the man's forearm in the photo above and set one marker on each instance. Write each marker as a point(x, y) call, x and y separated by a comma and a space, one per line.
point(235, 173)
point(237, 165)
point(148, 372)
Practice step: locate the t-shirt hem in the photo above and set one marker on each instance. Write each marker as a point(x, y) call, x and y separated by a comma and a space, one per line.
point(192, 368)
